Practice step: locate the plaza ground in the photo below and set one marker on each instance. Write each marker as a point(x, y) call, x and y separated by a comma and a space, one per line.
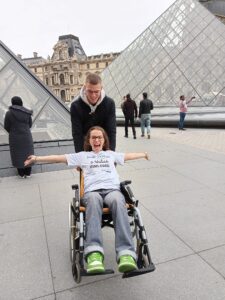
point(182, 201)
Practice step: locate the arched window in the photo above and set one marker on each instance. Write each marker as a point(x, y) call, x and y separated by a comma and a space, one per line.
point(60, 54)
point(61, 79)
point(63, 95)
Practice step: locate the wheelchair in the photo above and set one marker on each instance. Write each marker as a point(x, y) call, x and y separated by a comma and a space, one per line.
point(77, 233)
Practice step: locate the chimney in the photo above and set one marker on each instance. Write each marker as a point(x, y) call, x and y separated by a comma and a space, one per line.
point(19, 56)
point(35, 54)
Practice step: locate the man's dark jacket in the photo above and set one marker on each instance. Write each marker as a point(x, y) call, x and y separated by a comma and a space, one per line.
point(145, 107)
point(82, 120)
point(130, 109)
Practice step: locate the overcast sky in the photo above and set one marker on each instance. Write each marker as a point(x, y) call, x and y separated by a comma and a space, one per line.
point(28, 26)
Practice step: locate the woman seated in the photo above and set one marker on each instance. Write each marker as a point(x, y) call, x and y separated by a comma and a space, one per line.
point(101, 186)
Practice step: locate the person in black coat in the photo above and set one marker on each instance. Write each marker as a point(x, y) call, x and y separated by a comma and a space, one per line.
point(130, 112)
point(17, 123)
point(92, 108)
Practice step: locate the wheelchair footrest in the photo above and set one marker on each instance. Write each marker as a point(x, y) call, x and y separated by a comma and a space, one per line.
point(148, 269)
point(106, 272)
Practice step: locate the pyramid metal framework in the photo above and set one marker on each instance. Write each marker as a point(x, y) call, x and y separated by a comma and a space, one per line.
point(51, 118)
point(182, 52)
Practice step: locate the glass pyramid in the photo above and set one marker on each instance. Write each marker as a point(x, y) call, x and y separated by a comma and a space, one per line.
point(51, 118)
point(182, 52)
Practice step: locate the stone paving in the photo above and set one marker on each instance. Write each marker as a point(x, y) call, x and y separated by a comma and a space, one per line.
point(182, 200)
point(210, 139)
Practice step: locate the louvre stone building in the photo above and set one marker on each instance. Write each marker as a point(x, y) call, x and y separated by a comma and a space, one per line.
point(65, 71)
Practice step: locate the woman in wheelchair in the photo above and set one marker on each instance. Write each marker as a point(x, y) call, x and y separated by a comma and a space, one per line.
point(101, 186)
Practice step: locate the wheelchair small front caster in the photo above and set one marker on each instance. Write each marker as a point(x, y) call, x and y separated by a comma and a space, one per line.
point(76, 272)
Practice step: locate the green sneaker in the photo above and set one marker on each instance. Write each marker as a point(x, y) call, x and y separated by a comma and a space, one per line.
point(95, 263)
point(127, 264)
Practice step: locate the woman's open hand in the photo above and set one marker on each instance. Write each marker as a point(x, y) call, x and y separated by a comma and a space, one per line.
point(147, 156)
point(30, 160)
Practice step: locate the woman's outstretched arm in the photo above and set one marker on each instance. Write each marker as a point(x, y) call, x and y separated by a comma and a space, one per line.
point(32, 159)
point(138, 155)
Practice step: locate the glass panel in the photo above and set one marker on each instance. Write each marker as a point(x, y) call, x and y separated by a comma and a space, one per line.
point(52, 123)
point(4, 58)
point(4, 139)
point(15, 81)
point(219, 100)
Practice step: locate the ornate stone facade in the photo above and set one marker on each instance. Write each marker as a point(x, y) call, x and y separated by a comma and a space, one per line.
point(66, 70)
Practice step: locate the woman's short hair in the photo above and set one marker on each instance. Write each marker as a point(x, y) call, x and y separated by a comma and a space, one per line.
point(87, 145)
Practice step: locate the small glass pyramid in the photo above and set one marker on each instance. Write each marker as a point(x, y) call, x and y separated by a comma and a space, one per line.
point(51, 118)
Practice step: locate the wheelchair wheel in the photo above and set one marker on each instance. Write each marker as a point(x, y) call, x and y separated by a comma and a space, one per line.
point(76, 269)
point(143, 256)
point(73, 234)
point(143, 260)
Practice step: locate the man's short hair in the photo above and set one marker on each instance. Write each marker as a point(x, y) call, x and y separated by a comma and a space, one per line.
point(17, 101)
point(93, 78)
point(145, 95)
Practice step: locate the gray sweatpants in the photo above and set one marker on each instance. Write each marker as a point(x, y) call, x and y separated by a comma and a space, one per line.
point(114, 199)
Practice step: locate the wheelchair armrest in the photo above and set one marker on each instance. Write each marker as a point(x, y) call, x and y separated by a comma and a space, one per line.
point(125, 182)
point(127, 192)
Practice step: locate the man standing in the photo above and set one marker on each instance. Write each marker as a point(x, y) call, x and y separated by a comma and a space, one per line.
point(130, 112)
point(183, 110)
point(145, 108)
point(92, 108)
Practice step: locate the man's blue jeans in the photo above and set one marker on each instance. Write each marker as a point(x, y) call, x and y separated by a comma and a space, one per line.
point(182, 117)
point(145, 122)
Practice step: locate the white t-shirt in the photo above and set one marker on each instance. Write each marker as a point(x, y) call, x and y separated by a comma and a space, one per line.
point(98, 168)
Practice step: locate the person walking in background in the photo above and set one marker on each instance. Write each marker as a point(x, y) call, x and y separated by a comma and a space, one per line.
point(145, 108)
point(17, 123)
point(92, 108)
point(130, 112)
point(183, 110)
